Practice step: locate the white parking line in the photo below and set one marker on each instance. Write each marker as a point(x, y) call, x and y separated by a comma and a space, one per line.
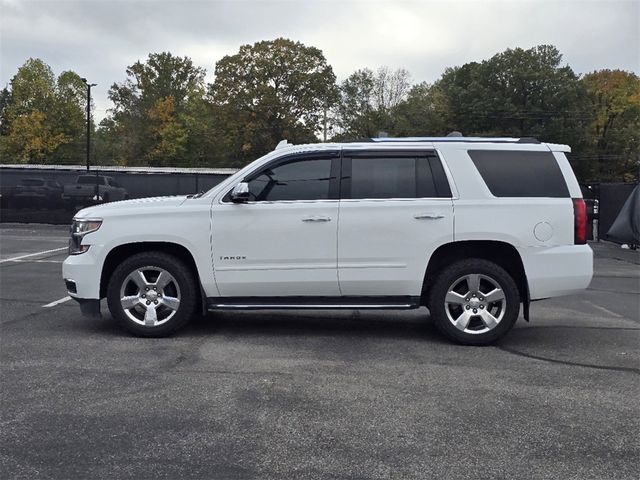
point(38, 261)
point(33, 254)
point(602, 309)
point(57, 302)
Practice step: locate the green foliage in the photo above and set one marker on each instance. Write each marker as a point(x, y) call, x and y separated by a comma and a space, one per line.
point(147, 126)
point(613, 151)
point(424, 113)
point(164, 115)
point(369, 102)
point(42, 117)
point(519, 93)
point(269, 91)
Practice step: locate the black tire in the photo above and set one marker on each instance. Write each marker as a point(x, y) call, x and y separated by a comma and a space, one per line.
point(487, 272)
point(183, 279)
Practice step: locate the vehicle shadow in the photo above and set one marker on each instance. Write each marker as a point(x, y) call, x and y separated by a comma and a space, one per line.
point(389, 324)
point(274, 323)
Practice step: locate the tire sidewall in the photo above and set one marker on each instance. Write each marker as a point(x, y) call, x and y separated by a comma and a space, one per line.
point(472, 266)
point(183, 276)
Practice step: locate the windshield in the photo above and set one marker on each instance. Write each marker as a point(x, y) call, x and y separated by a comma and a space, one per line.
point(237, 177)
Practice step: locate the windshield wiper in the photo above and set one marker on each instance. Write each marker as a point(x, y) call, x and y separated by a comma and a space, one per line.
point(196, 195)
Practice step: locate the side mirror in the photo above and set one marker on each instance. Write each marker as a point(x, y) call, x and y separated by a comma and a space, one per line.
point(240, 193)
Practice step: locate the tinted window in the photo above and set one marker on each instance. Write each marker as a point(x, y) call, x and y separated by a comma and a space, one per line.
point(388, 177)
point(520, 174)
point(296, 180)
point(91, 179)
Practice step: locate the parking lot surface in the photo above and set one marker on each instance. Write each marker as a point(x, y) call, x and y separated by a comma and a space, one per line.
point(279, 395)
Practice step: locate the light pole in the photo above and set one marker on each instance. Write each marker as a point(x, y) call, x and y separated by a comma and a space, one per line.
point(89, 85)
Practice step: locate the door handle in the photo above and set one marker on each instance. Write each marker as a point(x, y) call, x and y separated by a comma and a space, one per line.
point(316, 218)
point(427, 216)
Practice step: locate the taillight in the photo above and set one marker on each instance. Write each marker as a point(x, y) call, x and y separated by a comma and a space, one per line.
point(580, 221)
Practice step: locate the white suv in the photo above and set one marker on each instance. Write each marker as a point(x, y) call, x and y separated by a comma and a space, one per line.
point(468, 227)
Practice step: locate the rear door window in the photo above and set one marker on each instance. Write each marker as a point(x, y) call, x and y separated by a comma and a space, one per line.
point(377, 175)
point(510, 173)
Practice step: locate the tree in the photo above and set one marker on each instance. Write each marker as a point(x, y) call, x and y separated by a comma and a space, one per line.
point(170, 137)
point(269, 91)
point(149, 109)
point(31, 140)
point(390, 88)
point(355, 114)
point(519, 93)
point(614, 132)
point(423, 114)
point(368, 102)
point(42, 117)
point(69, 110)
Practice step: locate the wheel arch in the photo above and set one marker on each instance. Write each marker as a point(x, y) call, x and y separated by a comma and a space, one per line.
point(119, 253)
point(501, 253)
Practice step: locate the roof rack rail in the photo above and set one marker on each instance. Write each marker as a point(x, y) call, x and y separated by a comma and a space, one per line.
point(453, 138)
point(359, 140)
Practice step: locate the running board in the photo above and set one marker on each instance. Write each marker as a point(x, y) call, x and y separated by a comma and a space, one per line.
point(313, 303)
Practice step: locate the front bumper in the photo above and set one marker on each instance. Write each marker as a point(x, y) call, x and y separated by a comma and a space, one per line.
point(89, 307)
point(84, 271)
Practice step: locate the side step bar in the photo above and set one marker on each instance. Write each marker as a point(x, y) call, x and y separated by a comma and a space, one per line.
point(313, 303)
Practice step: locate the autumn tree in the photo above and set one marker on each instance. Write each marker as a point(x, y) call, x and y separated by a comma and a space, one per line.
point(614, 132)
point(147, 123)
point(42, 117)
point(270, 91)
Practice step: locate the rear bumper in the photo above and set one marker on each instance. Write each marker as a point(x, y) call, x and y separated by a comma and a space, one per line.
point(557, 271)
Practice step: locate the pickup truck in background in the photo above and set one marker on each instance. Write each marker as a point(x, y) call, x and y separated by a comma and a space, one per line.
point(36, 192)
point(83, 192)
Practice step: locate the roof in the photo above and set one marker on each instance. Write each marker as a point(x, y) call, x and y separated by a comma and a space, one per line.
point(416, 141)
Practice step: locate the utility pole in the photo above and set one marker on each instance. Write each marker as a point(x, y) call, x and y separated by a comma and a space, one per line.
point(324, 136)
point(89, 85)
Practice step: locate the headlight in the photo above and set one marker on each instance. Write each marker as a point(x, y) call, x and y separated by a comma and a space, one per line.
point(80, 228)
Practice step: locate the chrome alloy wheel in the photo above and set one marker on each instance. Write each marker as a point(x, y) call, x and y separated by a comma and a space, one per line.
point(475, 303)
point(150, 296)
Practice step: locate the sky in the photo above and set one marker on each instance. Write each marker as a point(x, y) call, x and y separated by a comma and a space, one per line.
point(98, 39)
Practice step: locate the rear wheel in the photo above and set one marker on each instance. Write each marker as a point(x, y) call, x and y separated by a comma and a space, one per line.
point(474, 302)
point(152, 294)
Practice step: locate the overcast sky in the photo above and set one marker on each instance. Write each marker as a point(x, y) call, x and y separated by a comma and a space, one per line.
point(98, 38)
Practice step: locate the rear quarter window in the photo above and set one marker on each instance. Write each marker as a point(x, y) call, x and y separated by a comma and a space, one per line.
point(510, 173)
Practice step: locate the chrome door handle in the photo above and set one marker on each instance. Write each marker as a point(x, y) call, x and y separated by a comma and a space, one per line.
point(427, 216)
point(316, 218)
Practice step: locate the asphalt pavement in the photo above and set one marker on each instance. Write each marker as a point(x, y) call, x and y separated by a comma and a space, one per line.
point(314, 395)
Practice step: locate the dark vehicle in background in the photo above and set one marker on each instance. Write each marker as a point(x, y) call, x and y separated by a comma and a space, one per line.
point(84, 191)
point(37, 192)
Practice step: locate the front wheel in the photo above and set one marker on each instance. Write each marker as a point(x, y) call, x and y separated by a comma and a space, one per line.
point(474, 302)
point(152, 294)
